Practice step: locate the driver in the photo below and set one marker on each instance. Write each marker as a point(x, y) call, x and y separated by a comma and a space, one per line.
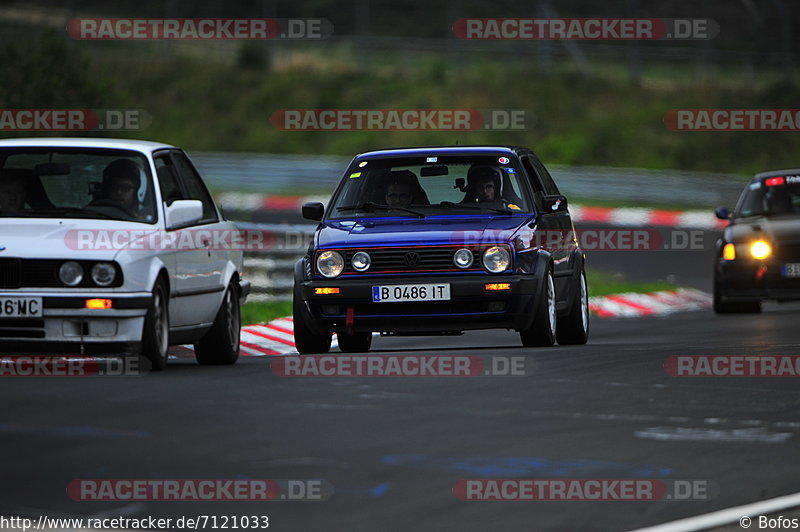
point(12, 192)
point(121, 183)
point(483, 185)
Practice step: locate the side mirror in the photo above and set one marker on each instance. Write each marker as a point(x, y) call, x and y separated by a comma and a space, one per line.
point(184, 212)
point(554, 203)
point(723, 213)
point(313, 211)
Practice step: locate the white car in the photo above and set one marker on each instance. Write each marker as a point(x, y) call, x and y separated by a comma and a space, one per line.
point(114, 247)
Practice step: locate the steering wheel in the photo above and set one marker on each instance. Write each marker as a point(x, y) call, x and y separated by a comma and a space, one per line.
point(115, 204)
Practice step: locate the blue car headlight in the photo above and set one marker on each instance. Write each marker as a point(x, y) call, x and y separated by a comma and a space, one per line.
point(496, 259)
point(330, 264)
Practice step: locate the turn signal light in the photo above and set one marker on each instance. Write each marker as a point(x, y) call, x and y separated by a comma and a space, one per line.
point(326, 291)
point(729, 252)
point(98, 304)
point(497, 286)
point(760, 250)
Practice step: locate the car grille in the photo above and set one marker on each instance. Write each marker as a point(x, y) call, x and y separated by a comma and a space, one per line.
point(416, 259)
point(41, 273)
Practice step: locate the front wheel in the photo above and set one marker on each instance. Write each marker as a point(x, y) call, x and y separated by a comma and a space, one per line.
point(155, 337)
point(306, 341)
point(220, 345)
point(573, 329)
point(542, 333)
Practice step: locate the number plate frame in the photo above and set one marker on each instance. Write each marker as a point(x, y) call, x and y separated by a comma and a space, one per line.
point(404, 293)
point(10, 307)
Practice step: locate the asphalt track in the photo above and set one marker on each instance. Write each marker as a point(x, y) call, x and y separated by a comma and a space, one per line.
point(393, 448)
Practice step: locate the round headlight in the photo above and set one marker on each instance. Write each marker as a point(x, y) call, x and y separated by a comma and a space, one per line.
point(760, 250)
point(330, 264)
point(496, 259)
point(70, 273)
point(463, 258)
point(103, 274)
point(361, 261)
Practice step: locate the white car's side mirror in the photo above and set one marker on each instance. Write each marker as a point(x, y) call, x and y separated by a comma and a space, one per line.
point(184, 212)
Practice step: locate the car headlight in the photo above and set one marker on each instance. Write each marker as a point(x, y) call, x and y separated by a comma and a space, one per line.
point(330, 264)
point(496, 259)
point(103, 274)
point(463, 258)
point(70, 273)
point(760, 249)
point(361, 261)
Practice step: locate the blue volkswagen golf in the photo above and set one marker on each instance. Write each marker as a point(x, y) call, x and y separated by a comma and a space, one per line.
point(439, 240)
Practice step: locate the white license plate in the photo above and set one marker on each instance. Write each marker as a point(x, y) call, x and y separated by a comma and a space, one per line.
point(411, 292)
point(20, 307)
point(792, 269)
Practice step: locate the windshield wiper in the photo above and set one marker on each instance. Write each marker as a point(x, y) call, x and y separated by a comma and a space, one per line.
point(371, 206)
point(473, 207)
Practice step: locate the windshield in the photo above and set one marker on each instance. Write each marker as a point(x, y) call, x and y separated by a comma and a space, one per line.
point(782, 196)
point(76, 183)
point(425, 186)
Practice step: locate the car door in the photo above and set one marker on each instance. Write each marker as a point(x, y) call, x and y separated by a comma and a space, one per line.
point(557, 225)
point(197, 285)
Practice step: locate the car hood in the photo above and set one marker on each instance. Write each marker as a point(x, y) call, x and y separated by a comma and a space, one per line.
point(60, 237)
point(776, 229)
point(433, 230)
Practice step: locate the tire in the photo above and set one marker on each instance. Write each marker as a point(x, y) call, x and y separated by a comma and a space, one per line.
point(220, 345)
point(573, 329)
point(155, 336)
point(355, 343)
point(307, 341)
point(732, 307)
point(542, 333)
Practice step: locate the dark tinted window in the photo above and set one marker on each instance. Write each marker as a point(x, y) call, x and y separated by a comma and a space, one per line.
point(549, 185)
point(168, 180)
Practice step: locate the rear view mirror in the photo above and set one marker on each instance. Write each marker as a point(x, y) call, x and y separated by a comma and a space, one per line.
point(723, 213)
point(313, 211)
point(52, 169)
point(428, 171)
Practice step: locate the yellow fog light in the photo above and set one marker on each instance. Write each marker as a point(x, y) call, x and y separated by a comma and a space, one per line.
point(326, 291)
point(760, 250)
point(98, 304)
point(729, 252)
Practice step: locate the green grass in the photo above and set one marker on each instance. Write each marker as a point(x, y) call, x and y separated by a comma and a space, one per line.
point(604, 284)
point(265, 311)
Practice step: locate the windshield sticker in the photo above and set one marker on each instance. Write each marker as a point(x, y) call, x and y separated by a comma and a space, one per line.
point(793, 178)
point(355, 174)
point(503, 160)
point(756, 185)
point(510, 170)
point(514, 207)
point(362, 164)
point(432, 160)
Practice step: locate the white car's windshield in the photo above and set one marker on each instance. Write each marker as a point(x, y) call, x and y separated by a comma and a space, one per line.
point(77, 183)
point(424, 186)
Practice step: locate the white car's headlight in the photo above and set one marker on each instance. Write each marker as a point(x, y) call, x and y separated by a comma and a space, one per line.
point(330, 264)
point(463, 258)
point(104, 274)
point(496, 259)
point(70, 273)
point(361, 261)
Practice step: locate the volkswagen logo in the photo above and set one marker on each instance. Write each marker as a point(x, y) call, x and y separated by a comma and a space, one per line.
point(412, 259)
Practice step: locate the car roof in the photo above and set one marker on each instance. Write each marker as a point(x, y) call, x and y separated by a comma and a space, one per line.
point(441, 150)
point(84, 142)
point(776, 173)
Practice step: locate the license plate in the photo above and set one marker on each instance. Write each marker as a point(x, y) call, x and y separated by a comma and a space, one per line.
point(411, 292)
point(20, 307)
point(792, 269)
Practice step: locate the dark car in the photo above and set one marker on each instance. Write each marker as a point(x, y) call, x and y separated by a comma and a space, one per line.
point(424, 241)
point(758, 256)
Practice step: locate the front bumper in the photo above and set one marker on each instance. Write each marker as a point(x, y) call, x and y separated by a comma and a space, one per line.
point(67, 327)
point(741, 281)
point(471, 306)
